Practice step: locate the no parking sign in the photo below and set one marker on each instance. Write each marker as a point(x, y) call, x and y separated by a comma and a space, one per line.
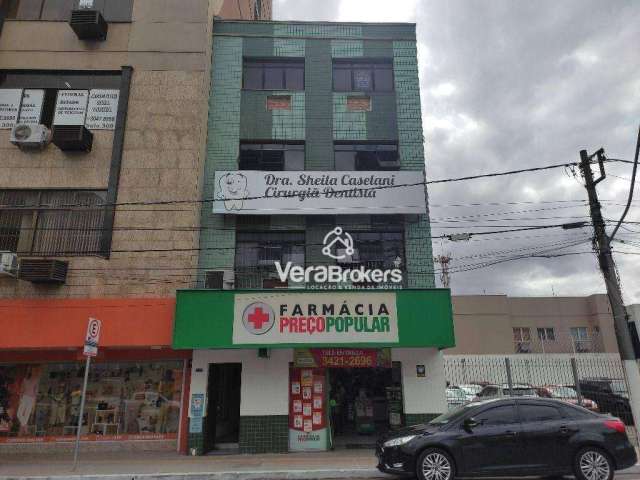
point(92, 338)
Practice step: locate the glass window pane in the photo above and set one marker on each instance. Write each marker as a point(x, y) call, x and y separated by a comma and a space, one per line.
point(362, 79)
point(118, 10)
point(252, 77)
point(273, 78)
point(498, 416)
point(539, 413)
point(294, 160)
point(294, 77)
point(341, 79)
point(57, 10)
point(384, 79)
point(25, 9)
point(345, 160)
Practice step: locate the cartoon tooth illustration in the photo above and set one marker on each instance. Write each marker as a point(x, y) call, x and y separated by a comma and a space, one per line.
point(233, 189)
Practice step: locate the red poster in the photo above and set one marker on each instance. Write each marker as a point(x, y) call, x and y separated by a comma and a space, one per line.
point(307, 409)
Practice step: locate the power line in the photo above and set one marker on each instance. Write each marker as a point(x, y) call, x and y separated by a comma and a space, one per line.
point(633, 183)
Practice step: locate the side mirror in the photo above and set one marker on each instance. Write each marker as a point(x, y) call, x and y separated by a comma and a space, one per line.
point(469, 424)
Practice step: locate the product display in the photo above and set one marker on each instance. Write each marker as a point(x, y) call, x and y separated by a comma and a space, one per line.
point(122, 399)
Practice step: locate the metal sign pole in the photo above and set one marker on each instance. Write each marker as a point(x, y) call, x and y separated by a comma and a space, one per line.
point(81, 414)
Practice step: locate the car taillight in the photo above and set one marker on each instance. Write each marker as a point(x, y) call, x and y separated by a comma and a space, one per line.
point(616, 425)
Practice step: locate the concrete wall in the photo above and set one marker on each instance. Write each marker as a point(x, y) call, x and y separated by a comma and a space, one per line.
point(265, 381)
point(484, 323)
point(168, 45)
point(422, 395)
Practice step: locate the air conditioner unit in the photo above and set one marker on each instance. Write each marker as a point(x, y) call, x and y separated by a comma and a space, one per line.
point(346, 259)
point(89, 24)
point(43, 270)
point(72, 138)
point(8, 264)
point(29, 136)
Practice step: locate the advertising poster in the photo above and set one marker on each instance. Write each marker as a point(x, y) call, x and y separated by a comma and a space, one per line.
point(308, 424)
point(342, 357)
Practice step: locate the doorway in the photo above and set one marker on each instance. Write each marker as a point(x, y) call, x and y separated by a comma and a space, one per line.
point(223, 408)
point(365, 403)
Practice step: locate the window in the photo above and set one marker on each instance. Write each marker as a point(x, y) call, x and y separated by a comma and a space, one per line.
point(257, 10)
point(114, 11)
point(539, 413)
point(38, 400)
point(363, 76)
point(581, 340)
point(546, 334)
point(522, 339)
point(280, 74)
point(271, 156)
point(382, 250)
point(366, 156)
point(257, 252)
point(503, 415)
point(51, 222)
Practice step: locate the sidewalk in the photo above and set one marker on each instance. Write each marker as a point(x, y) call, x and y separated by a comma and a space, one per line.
point(170, 466)
point(359, 464)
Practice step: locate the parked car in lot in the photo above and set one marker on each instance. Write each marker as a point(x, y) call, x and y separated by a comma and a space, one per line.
point(566, 393)
point(471, 390)
point(610, 395)
point(455, 397)
point(514, 436)
point(496, 391)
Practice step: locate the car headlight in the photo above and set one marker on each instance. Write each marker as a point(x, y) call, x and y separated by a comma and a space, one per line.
point(396, 442)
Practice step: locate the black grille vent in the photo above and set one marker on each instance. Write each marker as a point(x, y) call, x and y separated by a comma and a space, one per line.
point(89, 25)
point(72, 138)
point(43, 270)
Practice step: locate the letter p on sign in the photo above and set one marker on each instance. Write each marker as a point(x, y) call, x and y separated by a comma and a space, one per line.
point(92, 338)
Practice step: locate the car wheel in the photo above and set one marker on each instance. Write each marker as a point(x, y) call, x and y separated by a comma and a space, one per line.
point(435, 464)
point(592, 463)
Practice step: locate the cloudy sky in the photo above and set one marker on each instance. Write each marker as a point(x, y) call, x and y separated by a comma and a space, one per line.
point(515, 84)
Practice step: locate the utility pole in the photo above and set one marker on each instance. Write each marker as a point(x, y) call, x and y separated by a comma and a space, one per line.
point(602, 243)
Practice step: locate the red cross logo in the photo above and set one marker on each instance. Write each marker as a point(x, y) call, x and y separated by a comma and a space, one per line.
point(258, 318)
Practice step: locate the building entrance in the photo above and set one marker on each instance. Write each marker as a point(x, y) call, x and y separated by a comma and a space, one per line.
point(363, 403)
point(223, 409)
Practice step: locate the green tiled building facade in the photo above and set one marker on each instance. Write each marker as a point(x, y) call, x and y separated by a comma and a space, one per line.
point(319, 117)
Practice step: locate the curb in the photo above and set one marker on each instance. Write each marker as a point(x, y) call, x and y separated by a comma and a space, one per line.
point(238, 475)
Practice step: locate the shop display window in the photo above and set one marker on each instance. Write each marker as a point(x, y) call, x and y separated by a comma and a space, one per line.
point(123, 399)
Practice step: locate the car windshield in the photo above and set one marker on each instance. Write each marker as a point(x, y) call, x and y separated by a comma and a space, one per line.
point(563, 392)
point(619, 387)
point(521, 391)
point(470, 389)
point(451, 415)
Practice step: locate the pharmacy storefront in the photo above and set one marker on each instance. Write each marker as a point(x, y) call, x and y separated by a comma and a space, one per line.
point(304, 370)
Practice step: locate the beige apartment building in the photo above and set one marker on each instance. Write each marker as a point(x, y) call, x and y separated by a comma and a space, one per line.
point(498, 324)
point(154, 61)
point(103, 121)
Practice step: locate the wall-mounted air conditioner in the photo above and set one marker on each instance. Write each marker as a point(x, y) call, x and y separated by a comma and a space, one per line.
point(43, 270)
point(8, 264)
point(29, 136)
point(72, 138)
point(89, 24)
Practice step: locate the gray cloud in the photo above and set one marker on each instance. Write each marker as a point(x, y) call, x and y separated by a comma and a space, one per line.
point(510, 84)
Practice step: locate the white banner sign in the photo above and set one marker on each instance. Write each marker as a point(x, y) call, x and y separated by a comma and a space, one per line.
point(102, 110)
point(318, 318)
point(250, 192)
point(71, 107)
point(31, 108)
point(9, 106)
